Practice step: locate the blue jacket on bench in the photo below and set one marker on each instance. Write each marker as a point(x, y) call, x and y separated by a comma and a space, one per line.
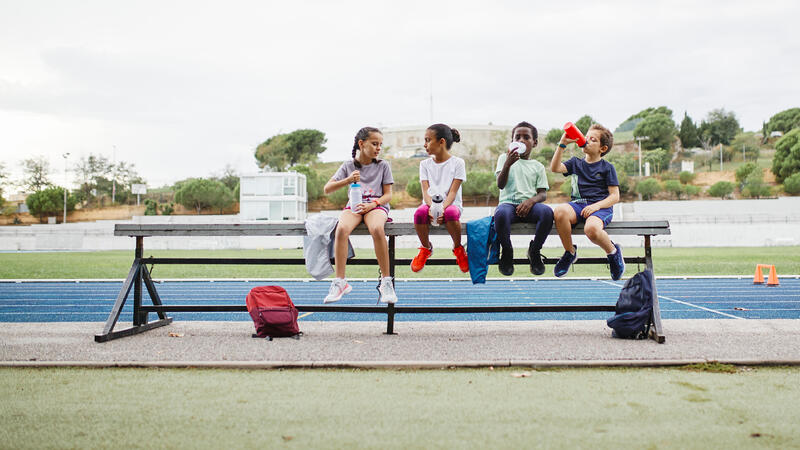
point(483, 248)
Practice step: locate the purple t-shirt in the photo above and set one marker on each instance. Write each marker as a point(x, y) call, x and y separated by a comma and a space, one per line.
point(373, 177)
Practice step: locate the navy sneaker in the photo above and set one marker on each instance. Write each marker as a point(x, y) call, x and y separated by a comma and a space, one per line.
point(616, 263)
point(565, 262)
point(506, 263)
point(535, 260)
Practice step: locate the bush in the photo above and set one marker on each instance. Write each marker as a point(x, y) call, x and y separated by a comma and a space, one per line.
point(674, 187)
point(792, 184)
point(686, 177)
point(754, 186)
point(691, 190)
point(648, 188)
point(744, 171)
point(786, 161)
point(199, 193)
point(414, 188)
point(168, 208)
point(624, 182)
point(49, 202)
point(721, 189)
point(481, 183)
point(150, 207)
point(338, 197)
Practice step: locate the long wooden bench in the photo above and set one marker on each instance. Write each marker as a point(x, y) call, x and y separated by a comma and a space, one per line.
point(139, 276)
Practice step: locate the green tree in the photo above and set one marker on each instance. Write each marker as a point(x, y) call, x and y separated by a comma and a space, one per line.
point(554, 136)
point(414, 188)
point(755, 187)
point(744, 171)
point(35, 174)
point(287, 150)
point(792, 184)
point(623, 162)
point(631, 122)
point(229, 177)
point(721, 189)
point(88, 171)
point(150, 207)
point(481, 183)
point(659, 128)
point(691, 190)
point(658, 159)
point(314, 182)
point(786, 161)
point(720, 126)
point(674, 187)
point(49, 202)
point(747, 141)
point(648, 187)
point(200, 193)
point(688, 132)
point(584, 123)
point(784, 121)
point(686, 177)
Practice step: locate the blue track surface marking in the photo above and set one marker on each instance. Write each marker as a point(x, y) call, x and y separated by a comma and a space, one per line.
point(699, 298)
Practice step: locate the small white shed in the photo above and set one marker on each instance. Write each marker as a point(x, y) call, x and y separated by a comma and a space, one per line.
point(273, 196)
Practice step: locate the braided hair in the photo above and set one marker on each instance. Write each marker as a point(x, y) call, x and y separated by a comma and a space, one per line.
point(449, 135)
point(362, 135)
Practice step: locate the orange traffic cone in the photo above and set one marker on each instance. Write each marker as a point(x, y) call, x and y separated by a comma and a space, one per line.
point(773, 277)
point(759, 277)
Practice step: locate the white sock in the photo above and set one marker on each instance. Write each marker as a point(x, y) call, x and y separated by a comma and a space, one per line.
point(612, 253)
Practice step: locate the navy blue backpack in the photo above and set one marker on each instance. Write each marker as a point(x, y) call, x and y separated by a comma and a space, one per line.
point(634, 308)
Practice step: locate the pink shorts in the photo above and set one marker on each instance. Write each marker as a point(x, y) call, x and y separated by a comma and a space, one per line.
point(451, 214)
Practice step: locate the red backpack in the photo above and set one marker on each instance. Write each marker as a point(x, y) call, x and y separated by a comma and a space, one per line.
point(273, 312)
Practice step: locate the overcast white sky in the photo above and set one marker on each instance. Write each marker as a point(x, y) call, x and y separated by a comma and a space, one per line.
point(184, 88)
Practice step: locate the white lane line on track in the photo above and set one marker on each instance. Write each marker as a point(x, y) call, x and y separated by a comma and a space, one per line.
point(685, 303)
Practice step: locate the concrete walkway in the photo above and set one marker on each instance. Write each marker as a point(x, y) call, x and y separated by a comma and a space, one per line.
point(417, 344)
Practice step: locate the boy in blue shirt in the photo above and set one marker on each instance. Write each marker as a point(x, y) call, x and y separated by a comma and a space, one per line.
point(595, 190)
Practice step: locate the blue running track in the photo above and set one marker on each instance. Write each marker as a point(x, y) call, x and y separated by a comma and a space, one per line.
point(697, 298)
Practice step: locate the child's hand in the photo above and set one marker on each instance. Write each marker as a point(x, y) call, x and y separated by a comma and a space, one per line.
point(588, 211)
point(355, 177)
point(525, 207)
point(566, 141)
point(511, 158)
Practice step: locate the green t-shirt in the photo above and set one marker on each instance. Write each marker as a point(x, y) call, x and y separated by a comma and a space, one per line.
point(524, 177)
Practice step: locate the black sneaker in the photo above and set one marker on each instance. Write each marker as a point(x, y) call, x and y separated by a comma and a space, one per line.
point(506, 264)
point(565, 262)
point(535, 260)
point(616, 263)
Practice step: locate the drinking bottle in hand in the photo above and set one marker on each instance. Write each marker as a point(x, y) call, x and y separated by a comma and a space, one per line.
point(574, 133)
point(355, 197)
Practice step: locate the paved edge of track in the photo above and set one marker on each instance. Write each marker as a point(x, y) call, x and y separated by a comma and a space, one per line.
point(261, 365)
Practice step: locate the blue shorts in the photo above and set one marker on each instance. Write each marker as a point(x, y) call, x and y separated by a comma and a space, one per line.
point(604, 214)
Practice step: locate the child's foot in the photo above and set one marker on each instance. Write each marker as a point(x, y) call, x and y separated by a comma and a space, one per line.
point(506, 264)
point(535, 260)
point(461, 258)
point(565, 262)
point(339, 287)
point(418, 263)
point(616, 263)
point(386, 290)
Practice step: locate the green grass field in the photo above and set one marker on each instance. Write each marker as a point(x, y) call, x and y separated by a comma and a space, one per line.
point(115, 264)
point(473, 408)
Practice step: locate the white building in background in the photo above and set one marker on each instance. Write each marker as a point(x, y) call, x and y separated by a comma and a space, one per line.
point(407, 142)
point(273, 196)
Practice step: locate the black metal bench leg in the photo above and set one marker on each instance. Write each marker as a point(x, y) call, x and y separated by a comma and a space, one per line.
point(656, 330)
point(390, 307)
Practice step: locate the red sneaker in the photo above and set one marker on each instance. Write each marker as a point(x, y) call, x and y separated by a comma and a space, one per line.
point(419, 261)
point(461, 258)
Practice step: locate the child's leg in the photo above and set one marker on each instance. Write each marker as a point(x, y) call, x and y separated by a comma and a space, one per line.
point(347, 222)
point(543, 216)
point(595, 232)
point(564, 217)
point(422, 225)
point(504, 216)
point(375, 221)
point(452, 221)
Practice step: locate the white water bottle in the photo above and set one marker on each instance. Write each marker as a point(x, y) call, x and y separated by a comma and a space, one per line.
point(518, 147)
point(437, 207)
point(355, 196)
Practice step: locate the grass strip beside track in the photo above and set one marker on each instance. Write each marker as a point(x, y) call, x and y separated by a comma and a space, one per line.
point(115, 264)
point(476, 408)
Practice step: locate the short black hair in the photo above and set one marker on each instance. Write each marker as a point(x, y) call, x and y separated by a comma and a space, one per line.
point(524, 124)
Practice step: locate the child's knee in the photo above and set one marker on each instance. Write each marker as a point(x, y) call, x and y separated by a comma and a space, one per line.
point(593, 231)
point(421, 215)
point(452, 214)
point(561, 212)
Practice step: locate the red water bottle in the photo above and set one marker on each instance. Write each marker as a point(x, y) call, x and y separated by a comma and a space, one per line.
point(574, 133)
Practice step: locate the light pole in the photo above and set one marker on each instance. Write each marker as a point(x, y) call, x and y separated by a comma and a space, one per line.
point(640, 139)
point(720, 156)
point(65, 155)
point(114, 176)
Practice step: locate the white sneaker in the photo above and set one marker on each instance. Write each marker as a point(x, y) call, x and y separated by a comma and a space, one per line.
point(339, 287)
point(386, 290)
